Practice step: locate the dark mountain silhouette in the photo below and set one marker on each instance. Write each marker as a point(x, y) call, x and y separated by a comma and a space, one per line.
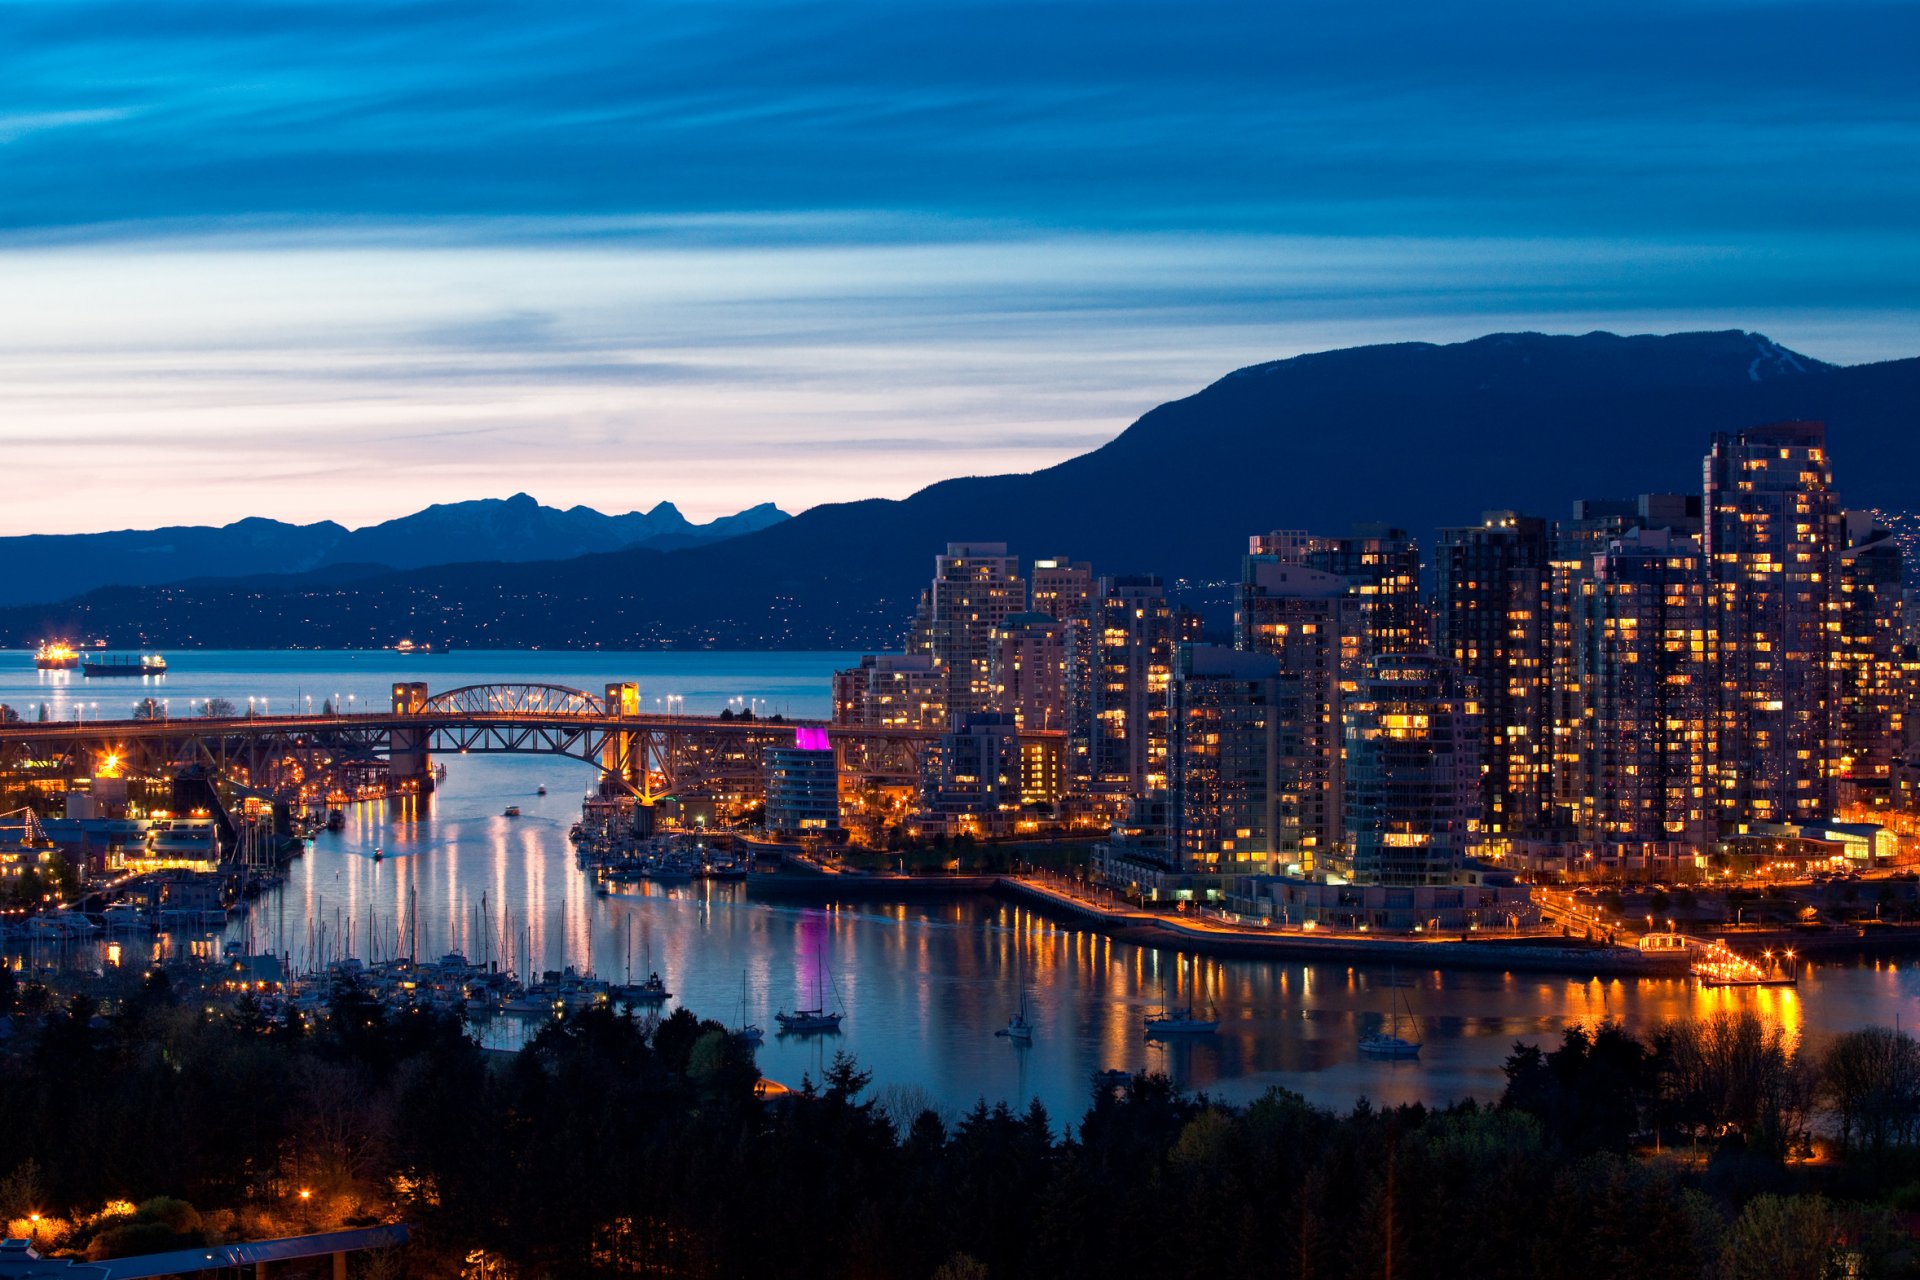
point(1410, 434)
point(59, 566)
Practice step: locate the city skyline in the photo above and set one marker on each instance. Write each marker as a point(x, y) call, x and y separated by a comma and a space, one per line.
point(400, 256)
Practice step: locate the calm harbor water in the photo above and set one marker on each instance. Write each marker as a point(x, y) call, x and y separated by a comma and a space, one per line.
point(924, 985)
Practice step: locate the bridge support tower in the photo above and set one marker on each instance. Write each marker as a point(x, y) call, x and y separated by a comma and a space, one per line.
point(408, 761)
point(620, 754)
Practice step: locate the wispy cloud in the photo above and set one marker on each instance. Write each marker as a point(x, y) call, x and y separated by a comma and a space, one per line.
point(806, 251)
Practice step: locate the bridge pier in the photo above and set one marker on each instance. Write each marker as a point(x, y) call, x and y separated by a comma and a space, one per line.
point(409, 764)
point(618, 752)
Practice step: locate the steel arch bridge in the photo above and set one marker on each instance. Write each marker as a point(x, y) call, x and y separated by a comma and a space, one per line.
point(297, 754)
point(516, 699)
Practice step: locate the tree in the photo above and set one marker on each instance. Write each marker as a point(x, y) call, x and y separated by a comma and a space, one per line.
point(218, 709)
point(1871, 1079)
point(1732, 1074)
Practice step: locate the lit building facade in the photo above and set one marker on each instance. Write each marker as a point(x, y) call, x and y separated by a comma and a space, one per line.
point(1226, 709)
point(1030, 667)
point(1133, 639)
point(803, 791)
point(1296, 615)
point(891, 691)
point(976, 587)
point(1412, 747)
point(1869, 658)
point(1773, 533)
point(1379, 567)
point(1645, 655)
point(981, 777)
point(1491, 607)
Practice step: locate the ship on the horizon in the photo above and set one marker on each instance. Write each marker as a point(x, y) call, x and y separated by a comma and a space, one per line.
point(146, 664)
point(56, 655)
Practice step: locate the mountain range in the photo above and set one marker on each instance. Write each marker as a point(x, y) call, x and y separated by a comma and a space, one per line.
point(496, 529)
point(1412, 434)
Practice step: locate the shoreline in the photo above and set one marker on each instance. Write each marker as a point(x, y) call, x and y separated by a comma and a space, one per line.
point(1147, 929)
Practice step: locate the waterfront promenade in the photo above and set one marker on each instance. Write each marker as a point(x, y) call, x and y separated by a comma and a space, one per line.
point(1210, 933)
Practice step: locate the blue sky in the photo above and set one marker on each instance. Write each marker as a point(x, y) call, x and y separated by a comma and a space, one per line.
point(341, 259)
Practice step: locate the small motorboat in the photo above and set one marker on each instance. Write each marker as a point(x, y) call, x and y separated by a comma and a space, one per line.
point(378, 853)
point(540, 790)
point(513, 811)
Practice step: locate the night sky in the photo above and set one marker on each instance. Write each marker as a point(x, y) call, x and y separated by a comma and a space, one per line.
point(340, 259)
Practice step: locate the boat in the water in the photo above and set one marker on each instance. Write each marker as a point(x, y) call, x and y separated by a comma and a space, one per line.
point(125, 665)
point(540, 790)
point(812, 1021)
point(1390, 1043)
point(1178, 1020)
point(746, 1032)
point(513, 811)
point(56, 655)
point(1019, 1028)
point(1181, 1021)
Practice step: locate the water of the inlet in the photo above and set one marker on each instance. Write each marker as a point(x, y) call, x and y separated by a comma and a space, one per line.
point(924, 985)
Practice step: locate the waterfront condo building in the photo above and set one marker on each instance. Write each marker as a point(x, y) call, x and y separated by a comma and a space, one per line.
point(1030, 666)
point(1596, 523)
point(1413, 758)
point(1491, 606)
point(1297, 615)
point(1379, 567)
point(1869, 659)
point(1644, 656)
point(981, 777)
point(803, 791)
point(976, 587)
point(1773, 536)
point(891, 691)
point(1065, 589)
point(1227, 713)
point(1133, 642)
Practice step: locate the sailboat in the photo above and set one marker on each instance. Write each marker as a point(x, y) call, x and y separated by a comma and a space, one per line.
point(746, 1032)
point(1390, 1043)
point(1178, 1020)
point(654, 989)
point(817, 1019)
point(1018, 1028)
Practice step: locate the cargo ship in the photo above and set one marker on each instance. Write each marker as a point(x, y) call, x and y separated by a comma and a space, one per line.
point(147, 664)
point(56, 655)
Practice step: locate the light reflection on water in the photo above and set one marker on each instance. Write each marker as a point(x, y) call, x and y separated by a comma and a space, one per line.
point(924, 985)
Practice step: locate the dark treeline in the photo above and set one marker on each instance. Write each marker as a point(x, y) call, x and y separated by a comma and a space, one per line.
point(614, 1146)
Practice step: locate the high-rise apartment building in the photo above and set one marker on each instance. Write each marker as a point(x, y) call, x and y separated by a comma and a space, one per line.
point(976, 586)
point(1030, 665)
point(1379, 567)
point(1868, 655)
point(1773, 535)
point(891, 691)
point(1065, 590)
point(1645, 653)
point(1133, 635)
point(1492, 599)
point(1297, 616)
point(1226, 709)
point(1594, 525)
point(1412, 765)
